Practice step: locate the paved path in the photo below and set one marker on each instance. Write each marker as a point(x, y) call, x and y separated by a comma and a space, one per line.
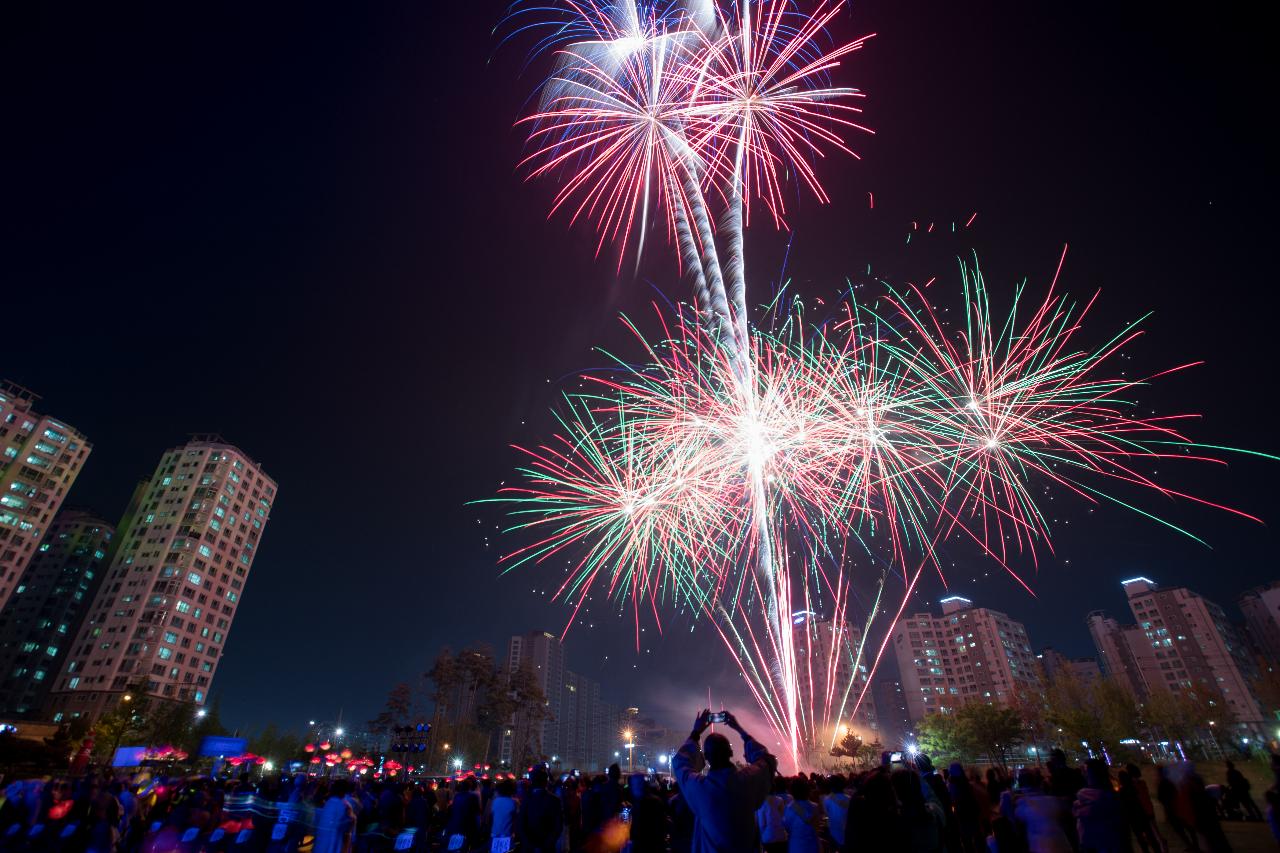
point(1247, 837)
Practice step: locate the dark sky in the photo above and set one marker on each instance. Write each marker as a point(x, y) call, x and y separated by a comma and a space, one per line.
point(301, 226)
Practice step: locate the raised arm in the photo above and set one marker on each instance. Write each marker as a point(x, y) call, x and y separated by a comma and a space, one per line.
point(761, 765)
point(687, 763)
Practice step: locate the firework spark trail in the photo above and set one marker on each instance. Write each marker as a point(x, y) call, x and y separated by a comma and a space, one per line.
point(667, 471)
point(638, 113)
point(690, 477)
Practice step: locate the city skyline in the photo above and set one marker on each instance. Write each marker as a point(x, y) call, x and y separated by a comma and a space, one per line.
point(303, 215)
point(1114, 644)
point(1121, 651)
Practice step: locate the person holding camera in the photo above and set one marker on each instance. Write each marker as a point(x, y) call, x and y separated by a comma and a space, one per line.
point(724, 799)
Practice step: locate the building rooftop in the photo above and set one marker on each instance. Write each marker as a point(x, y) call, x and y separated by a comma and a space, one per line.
point(1137, 585)
point(14, 391)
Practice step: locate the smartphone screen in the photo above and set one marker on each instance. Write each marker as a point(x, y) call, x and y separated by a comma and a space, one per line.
point(895, 758)
point(720, 717)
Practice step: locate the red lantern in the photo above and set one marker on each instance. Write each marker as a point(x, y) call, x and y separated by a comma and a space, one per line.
point(315, 760)
point(346, 753)
point(259, 760)
point(325, 746)
point(311, 747)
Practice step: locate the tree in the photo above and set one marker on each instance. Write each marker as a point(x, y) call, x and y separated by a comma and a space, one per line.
point(1118, 710)
point(528, 711)
point(853, 747)
point(477, 705)
point(1186, 715)
point(67, 739)
point(991, 730)
point(1267, 688)
point(208, 724)
point(397, 712)
point(169, 724)
point(938, 736)
point(1101, 714)
point(444, 678)
point(275, 744)
point(472, 704)
point(1029, 704)
point(123, 723)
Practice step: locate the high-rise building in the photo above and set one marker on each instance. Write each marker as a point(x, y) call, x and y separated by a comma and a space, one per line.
point(39, 460)
point(47, 606)
point(892, 713)
point(1261, 608)
point(829, 684)
point(1115, 644)
point(161, 619)
point(580, 730)
point(606, 737)
point(542, 654)
point(576, 723)
point(1054, 665)
point(968, 654)
point(1183, 641)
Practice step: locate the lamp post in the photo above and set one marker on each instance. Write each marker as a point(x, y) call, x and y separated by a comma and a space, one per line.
point(631, 750)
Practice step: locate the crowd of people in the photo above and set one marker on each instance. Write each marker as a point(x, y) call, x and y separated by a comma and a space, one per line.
point(710, 804)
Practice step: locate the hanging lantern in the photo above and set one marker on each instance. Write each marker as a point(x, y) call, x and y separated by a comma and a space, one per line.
point(311, 747)
point(346, 753)
point(326, 746)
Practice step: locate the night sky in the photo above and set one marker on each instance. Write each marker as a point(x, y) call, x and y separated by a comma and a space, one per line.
point(302, 227)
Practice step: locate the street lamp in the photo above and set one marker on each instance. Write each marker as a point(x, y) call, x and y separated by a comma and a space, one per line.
point(630, 746)
point(339, 732)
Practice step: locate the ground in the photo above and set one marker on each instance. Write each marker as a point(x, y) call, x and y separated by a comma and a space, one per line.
point(1245, 837)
